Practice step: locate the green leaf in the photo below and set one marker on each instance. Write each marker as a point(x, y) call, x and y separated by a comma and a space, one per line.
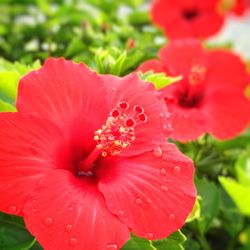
point(196, 211)
point(136, 243)
point(231, 218)
point(4, 107)
point(243, 169)
point(173, 242)
point(110, 61)
point(210, 203)
point(8, 85)
point(13, 235)
point(238, 192)
point(159, 80)
point(191, 244)
point(10, 74)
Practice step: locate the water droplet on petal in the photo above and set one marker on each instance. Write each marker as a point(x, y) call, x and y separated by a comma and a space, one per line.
point(177, 169)
point(138, 201)
point(48, 221)
point(12, 209)
point(171, 216)
point(68, 228)
point(112, 247)
point(163, 171)
point(164, 188)
point(18, 192)
point(149, 200)
point(157, 152)
point(73, 241)
point(71, 208)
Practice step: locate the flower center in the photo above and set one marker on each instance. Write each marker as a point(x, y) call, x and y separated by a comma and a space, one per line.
point(115, 135)
point(190, 14)
point(119, 130)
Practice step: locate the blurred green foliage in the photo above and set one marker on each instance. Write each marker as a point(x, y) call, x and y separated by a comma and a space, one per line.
point(76, 29)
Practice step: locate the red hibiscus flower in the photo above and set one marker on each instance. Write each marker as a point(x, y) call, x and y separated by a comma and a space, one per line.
point(240, 6)
point(187, 18)
point(211, 95)
point(85, 161)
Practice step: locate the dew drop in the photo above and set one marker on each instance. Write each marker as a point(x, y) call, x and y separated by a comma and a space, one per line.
point(149, 236)
point(161, 115)
point(73, 241)
point(138, 201)
point(48, 221)
point(164, 188)
point(18, 192)
point(165, 180)
point(157, 152)
point(163, 171)
point(12, 209)
point(171, 216)
point(71, 209)
point(149, 200)
point(68, 228)
point(112, 247)
point(177, 169)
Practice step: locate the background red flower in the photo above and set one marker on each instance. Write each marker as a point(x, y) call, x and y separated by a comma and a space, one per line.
point(210, 97)
point(187, 18)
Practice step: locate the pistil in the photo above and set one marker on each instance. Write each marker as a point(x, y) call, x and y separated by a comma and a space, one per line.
point(86, 166)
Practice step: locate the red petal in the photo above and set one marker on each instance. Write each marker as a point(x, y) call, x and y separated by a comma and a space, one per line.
point(209, 23)
point(28, 148)
point(152, 193)
point(226, 113)
point(170, 16)
point(187, 123)
point(65, 212)
point(226, 70)
point(180, 55)
point(152, 65)
point(136, 92)
point(70, 95)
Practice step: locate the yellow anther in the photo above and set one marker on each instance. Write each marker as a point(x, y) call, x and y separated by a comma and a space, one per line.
point(121, 129)
point(96, 138)
point(116, 143)
point(98, 132)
